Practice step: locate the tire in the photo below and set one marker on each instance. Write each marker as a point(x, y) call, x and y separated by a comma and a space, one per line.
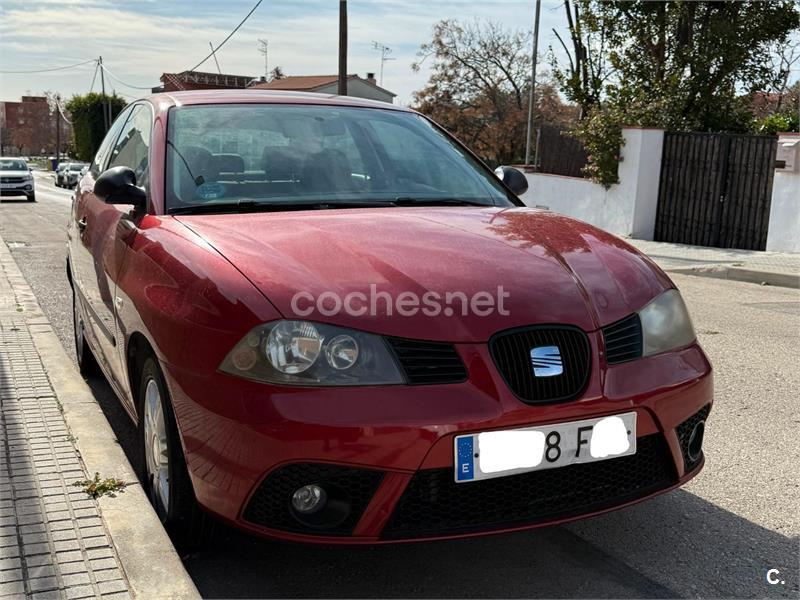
point(87, 363)
point(167, 485)
point(31, 197)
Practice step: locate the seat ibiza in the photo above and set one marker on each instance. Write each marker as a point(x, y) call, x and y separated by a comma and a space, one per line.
point(332, 323)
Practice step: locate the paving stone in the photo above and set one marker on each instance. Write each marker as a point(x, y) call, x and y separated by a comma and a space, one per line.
point(49, 595)
point(10, 575)
point(109, 587)
point(72, 567)
point(39, 560)
point(94, 542)
point(82, 591)
point(74, 579)
point(66, 545)
point(31, 549)
point(96, 553)
point(43, 584)
point(15, 588)
point(42, 571)
point(103, 563)
point(10, 563)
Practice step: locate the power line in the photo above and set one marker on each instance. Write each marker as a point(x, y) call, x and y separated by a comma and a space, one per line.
point(230, 35)
point(91, 87)
point(117, 79)
point(86, 62)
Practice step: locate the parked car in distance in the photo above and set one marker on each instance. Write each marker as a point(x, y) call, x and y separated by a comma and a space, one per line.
point(242, 266)
point(59, 173)
point(16, 179)
point(72, 173)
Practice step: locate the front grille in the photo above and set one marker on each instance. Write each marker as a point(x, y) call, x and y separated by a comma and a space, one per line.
point(623, 340)
point(684, 431)
point(511, 352)
point(433, 504)
point(12, 180)
point(428, 362)
point(270, 505)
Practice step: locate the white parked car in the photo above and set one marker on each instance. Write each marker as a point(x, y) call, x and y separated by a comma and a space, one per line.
point(16, 179)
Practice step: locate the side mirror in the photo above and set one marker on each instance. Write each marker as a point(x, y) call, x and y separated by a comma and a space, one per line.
point(513, 178)
point(117, 185)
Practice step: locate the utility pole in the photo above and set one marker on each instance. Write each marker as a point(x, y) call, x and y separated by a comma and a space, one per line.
point(343, 47)
point(57, 114)
point(385, 51)
point(106, 124)
point(263, 48)
point(532, 98)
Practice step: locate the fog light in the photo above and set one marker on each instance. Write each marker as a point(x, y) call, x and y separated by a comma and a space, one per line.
point(309, 499)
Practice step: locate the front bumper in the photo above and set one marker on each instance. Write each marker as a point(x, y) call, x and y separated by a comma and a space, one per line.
point(389, 450)
point(21, 189)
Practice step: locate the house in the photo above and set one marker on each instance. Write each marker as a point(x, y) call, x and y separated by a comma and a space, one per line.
point(199, 80)
point(28, 127)
point(329, 84)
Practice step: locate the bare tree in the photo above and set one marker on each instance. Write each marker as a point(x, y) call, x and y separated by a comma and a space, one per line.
point(478, 86)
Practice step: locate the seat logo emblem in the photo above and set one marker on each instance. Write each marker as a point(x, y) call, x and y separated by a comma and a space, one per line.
point(546, 361)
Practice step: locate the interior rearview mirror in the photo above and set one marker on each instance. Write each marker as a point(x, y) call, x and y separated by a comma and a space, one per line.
point(513, 178)
point(117, 185)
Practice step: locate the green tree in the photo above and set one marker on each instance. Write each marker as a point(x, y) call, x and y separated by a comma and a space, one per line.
point(680, 65)
point(88, 128)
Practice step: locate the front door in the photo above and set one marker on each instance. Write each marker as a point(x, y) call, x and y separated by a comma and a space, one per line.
point(102, 240)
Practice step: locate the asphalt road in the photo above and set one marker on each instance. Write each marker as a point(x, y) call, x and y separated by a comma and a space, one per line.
point(715, 538)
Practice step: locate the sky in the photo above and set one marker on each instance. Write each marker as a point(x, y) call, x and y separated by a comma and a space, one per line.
point(140, 40)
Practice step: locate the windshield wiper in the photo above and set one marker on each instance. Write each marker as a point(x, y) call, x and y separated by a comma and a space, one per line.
point(243, 206)
point(434, 201)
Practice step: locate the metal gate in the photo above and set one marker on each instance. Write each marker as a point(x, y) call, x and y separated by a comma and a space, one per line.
point(715, 189)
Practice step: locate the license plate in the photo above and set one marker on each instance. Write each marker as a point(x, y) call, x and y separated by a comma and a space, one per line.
point(501, 453)
point(6, 186)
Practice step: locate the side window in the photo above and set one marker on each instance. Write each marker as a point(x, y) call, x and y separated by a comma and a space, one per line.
point(133, 145)
point(108, 142)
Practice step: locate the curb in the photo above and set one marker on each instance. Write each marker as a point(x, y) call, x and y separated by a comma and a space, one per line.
point(788, 280)
point(148, 559)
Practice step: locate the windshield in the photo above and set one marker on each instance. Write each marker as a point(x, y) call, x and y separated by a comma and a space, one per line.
point(12, 165)
point(74, 167)
point(262, 154)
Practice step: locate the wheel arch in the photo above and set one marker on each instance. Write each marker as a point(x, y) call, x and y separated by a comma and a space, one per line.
point(137, 351)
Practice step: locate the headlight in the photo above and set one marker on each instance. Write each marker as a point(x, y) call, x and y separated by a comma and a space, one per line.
point(666, 324)
point(305, 353)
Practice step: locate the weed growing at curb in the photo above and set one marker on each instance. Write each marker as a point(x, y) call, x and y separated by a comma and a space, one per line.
point(101, 487)
point(71, 438)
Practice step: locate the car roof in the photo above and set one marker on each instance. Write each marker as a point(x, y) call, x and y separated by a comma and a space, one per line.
point(260, 96)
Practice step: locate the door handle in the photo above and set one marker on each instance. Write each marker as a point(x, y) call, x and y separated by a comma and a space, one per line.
point(82, 224)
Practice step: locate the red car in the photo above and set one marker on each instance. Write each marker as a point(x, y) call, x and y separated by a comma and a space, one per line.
point(333, 323)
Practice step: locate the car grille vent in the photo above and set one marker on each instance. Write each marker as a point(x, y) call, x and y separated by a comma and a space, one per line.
point(512, 350)
point(434, 504)
point(684, 431)
point(426, 363)
point(623, 340)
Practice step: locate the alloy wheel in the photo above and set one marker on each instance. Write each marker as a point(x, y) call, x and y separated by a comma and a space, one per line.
point(155, 448)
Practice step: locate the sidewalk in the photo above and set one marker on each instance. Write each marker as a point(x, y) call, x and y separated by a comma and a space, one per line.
point(55, 540)
point(772, 268)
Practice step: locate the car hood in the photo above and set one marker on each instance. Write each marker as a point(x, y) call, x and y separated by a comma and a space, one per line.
point(553, 269)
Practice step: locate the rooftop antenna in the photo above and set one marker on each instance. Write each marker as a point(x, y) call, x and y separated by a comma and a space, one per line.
point(215, 57)
point(263, 48)
point(385, 52)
